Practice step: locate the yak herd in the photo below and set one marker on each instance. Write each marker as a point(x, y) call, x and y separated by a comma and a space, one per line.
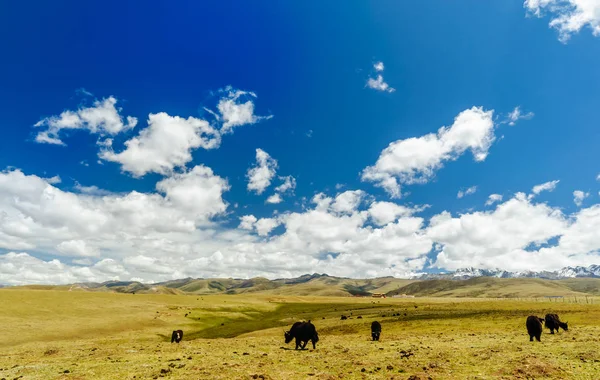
point(303, 332)
point(552, 322)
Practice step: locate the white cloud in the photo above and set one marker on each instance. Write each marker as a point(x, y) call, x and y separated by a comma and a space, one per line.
point(469, 191)
point(378, 82)
point(579, 196)
point(247, 222)
point(262, 226)
point(546, 186)
point(235, 113)
point(260, 176)
point(288, 186)
point(568, 16)
point(175, 232)
point(516, 115)
point(383, 213)
point(102, 118)
point(598, 177)
point(265, 225)
point(347, 202)
point(498, 238)
point(493, 198)
point(53, 180)
point(164, 145)
point(77, 248)
point(415, 160)
point(91, 190)
point(275, 199)
point(35, 214)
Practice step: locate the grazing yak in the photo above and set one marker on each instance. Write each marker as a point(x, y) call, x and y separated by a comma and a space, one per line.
point(343, 317)
point(534, 327)
point(302, 332)
point(552, 322)
point(176, 336)
point(375, 330)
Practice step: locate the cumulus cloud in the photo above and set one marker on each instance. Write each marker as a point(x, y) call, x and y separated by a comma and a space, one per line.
point(234, 112)
point(102, 118)
point(247, 222)
point(175, 232)
point(262, 226)
point(498, 238)
point(274, 199)
point(378, 82)
point(260, 175)
point(579, 196)
point(546, 186)
point(516, 115)
point(383, 213)
point(468, 191)
point(415, 160)
point(288, 185)
point(167, 143)
point(493, 198)
point(568, 17)
point(35, 214)
point(76, 248)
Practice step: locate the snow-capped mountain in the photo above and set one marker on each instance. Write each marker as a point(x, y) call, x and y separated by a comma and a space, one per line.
point(592, 271)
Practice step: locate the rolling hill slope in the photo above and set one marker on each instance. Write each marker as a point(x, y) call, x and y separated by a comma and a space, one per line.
point(324, 285)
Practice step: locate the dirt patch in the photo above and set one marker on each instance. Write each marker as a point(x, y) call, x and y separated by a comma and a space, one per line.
point(532, 367)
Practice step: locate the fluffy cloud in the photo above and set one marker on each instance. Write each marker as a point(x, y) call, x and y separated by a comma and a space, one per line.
point(275, 199)
point(288, 186)
point(23, 269)
point(496, 238)
point(378, 83)
point(165, 144)
point(546, 186)
point(76, 248)
point(102, 118)
point(469, 191)
point(568, 16)
point(234, 113)
point(493, 198)
point(260, 176)
point(415, 160)
point(383, 213)
point(262, 226)
point(35, 214)
point(247, 222)
point(174, 233)
point(579, 196)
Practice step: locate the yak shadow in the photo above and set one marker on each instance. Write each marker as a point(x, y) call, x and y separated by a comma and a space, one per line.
point(293, 349)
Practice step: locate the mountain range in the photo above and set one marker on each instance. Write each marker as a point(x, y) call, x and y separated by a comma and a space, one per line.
point(467, 282)
point(593, 271)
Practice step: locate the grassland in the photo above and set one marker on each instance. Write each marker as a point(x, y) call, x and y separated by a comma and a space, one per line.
point(53, 334)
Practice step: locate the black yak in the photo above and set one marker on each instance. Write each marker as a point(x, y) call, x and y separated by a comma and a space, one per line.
point(176, 336)
point(534, 327)
point(552, 322)
point(302, 332)
point(343, 317)
point(375, 330)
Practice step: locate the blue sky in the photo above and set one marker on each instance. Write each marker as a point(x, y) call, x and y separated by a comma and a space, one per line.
point(299, 75)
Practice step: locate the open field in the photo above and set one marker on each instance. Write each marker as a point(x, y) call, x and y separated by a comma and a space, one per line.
point(50, 334)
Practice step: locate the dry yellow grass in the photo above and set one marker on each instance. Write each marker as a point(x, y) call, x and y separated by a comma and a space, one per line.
point(44, 334)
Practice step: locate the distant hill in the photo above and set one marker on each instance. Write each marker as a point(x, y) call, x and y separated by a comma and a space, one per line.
point(324, 285)
point(501, 287)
